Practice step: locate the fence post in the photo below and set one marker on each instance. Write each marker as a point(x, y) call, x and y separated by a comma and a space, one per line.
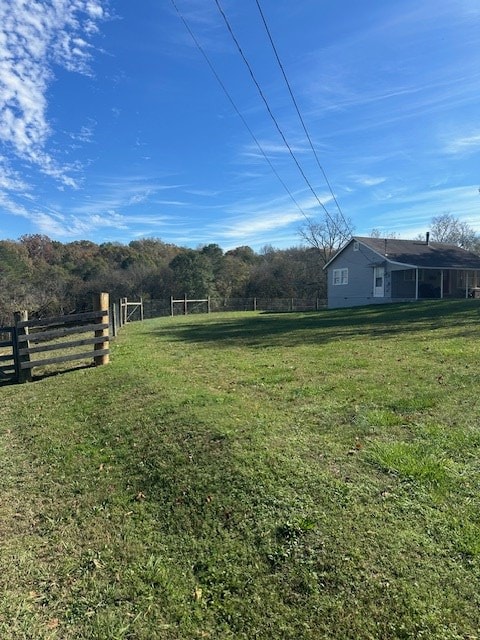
point(23, 375)
point(254, 304)
point(100, 303)
point(119, 317)
point(114, 320)
point(185, 306)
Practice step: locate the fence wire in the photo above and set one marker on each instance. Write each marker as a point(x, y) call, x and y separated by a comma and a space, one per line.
point(158, 308)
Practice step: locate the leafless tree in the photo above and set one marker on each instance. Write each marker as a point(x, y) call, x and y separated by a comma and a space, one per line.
point(326, 235)
point(447, 228)
point(377, 233)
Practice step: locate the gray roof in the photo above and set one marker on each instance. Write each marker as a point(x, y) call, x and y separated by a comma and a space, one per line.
point(418, 253)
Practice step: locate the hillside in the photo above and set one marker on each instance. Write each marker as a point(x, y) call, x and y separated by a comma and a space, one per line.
point(291, 476)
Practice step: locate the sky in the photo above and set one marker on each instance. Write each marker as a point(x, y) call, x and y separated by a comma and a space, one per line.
point(236, 122)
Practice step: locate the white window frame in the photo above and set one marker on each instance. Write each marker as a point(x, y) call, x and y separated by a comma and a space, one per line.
point(378, 276)
point(340, 276)
point(356, 245)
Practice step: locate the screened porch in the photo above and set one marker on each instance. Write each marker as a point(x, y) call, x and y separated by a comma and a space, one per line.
point(435, 283)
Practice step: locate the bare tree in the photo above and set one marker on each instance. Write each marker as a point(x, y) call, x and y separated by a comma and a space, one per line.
point(447, 228)
point(326, 235)
point(377, 233)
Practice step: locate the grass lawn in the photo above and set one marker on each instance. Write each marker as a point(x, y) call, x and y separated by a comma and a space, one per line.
point(250, 476)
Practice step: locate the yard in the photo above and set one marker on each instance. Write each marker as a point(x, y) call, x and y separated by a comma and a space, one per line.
point(250, 476)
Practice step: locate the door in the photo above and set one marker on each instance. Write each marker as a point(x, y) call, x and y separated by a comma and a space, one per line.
point(378, 282)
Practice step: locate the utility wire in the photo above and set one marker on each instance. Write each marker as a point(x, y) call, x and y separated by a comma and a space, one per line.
point(298, 112)
point(262, 95)
point(237, 111)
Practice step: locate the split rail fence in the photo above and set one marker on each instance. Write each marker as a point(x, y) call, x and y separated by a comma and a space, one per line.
point(29, 343)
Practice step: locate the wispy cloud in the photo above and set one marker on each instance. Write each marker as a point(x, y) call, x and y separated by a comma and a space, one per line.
point(410, 212)
point(113, 203)
point(207, 193)
point(85, 134)
point(388, 72)
point(271, 149)
point(120, 194)
point(10, 180)
point(368, 181)
point(33, 38)
point(58, 225)
point(245, 228)
point(247, 221)
point(464, 145)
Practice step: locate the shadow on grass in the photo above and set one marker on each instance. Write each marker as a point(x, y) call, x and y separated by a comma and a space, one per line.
point(42, 375)
point(325, 326)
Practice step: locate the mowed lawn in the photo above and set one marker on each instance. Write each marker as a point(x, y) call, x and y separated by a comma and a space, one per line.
point(250, 476)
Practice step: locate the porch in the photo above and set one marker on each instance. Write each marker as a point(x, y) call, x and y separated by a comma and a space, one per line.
point(421, 284)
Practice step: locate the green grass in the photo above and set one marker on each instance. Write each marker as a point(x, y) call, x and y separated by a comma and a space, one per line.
point(256, 476)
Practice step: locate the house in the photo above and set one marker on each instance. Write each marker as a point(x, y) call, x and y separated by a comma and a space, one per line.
point(380, 270)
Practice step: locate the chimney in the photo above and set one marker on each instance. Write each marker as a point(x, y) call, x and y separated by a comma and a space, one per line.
point(427, 238)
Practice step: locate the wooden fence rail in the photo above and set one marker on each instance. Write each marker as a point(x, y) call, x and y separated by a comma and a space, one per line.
point(31, 338)
point(8, 372)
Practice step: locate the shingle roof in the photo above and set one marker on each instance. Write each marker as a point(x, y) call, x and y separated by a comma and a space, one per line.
point(420, 254)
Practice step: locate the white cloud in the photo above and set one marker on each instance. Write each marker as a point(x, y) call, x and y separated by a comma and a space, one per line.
point(464, 145)
point(84, 135)
point(248, 227)
point(57, 225)
point(203, 192)
point(368, 181)
point(112, 204)
point(13, 207)
point(10, 180)
point(272, 149)
point(34, 37)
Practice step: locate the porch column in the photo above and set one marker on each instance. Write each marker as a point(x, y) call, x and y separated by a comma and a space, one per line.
point(416, 284)
point(466, 284)
point(441, 284)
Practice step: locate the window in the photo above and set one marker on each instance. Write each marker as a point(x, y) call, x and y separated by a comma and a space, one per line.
point(355, 246)
point(340, 276)
point(409, 275)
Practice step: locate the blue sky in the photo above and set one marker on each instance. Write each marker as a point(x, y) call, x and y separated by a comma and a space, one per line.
point(113, 127)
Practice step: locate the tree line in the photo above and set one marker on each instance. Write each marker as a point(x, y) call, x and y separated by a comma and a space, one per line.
point(48, 277)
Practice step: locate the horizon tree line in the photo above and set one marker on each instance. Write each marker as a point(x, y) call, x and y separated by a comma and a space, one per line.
point(47, 276)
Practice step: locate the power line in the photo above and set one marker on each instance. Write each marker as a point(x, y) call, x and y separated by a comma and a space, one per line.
point(262, 95)
point(237, 111)
point(298, 112)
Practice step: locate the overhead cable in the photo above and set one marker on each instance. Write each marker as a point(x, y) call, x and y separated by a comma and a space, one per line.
point(298, 111)
point(237, 111)
point(265, 101)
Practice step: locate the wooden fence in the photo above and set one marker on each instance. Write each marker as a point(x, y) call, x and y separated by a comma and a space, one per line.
point(8, 371)
point(129, 309)
point(203, 303)
point(33, 340)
